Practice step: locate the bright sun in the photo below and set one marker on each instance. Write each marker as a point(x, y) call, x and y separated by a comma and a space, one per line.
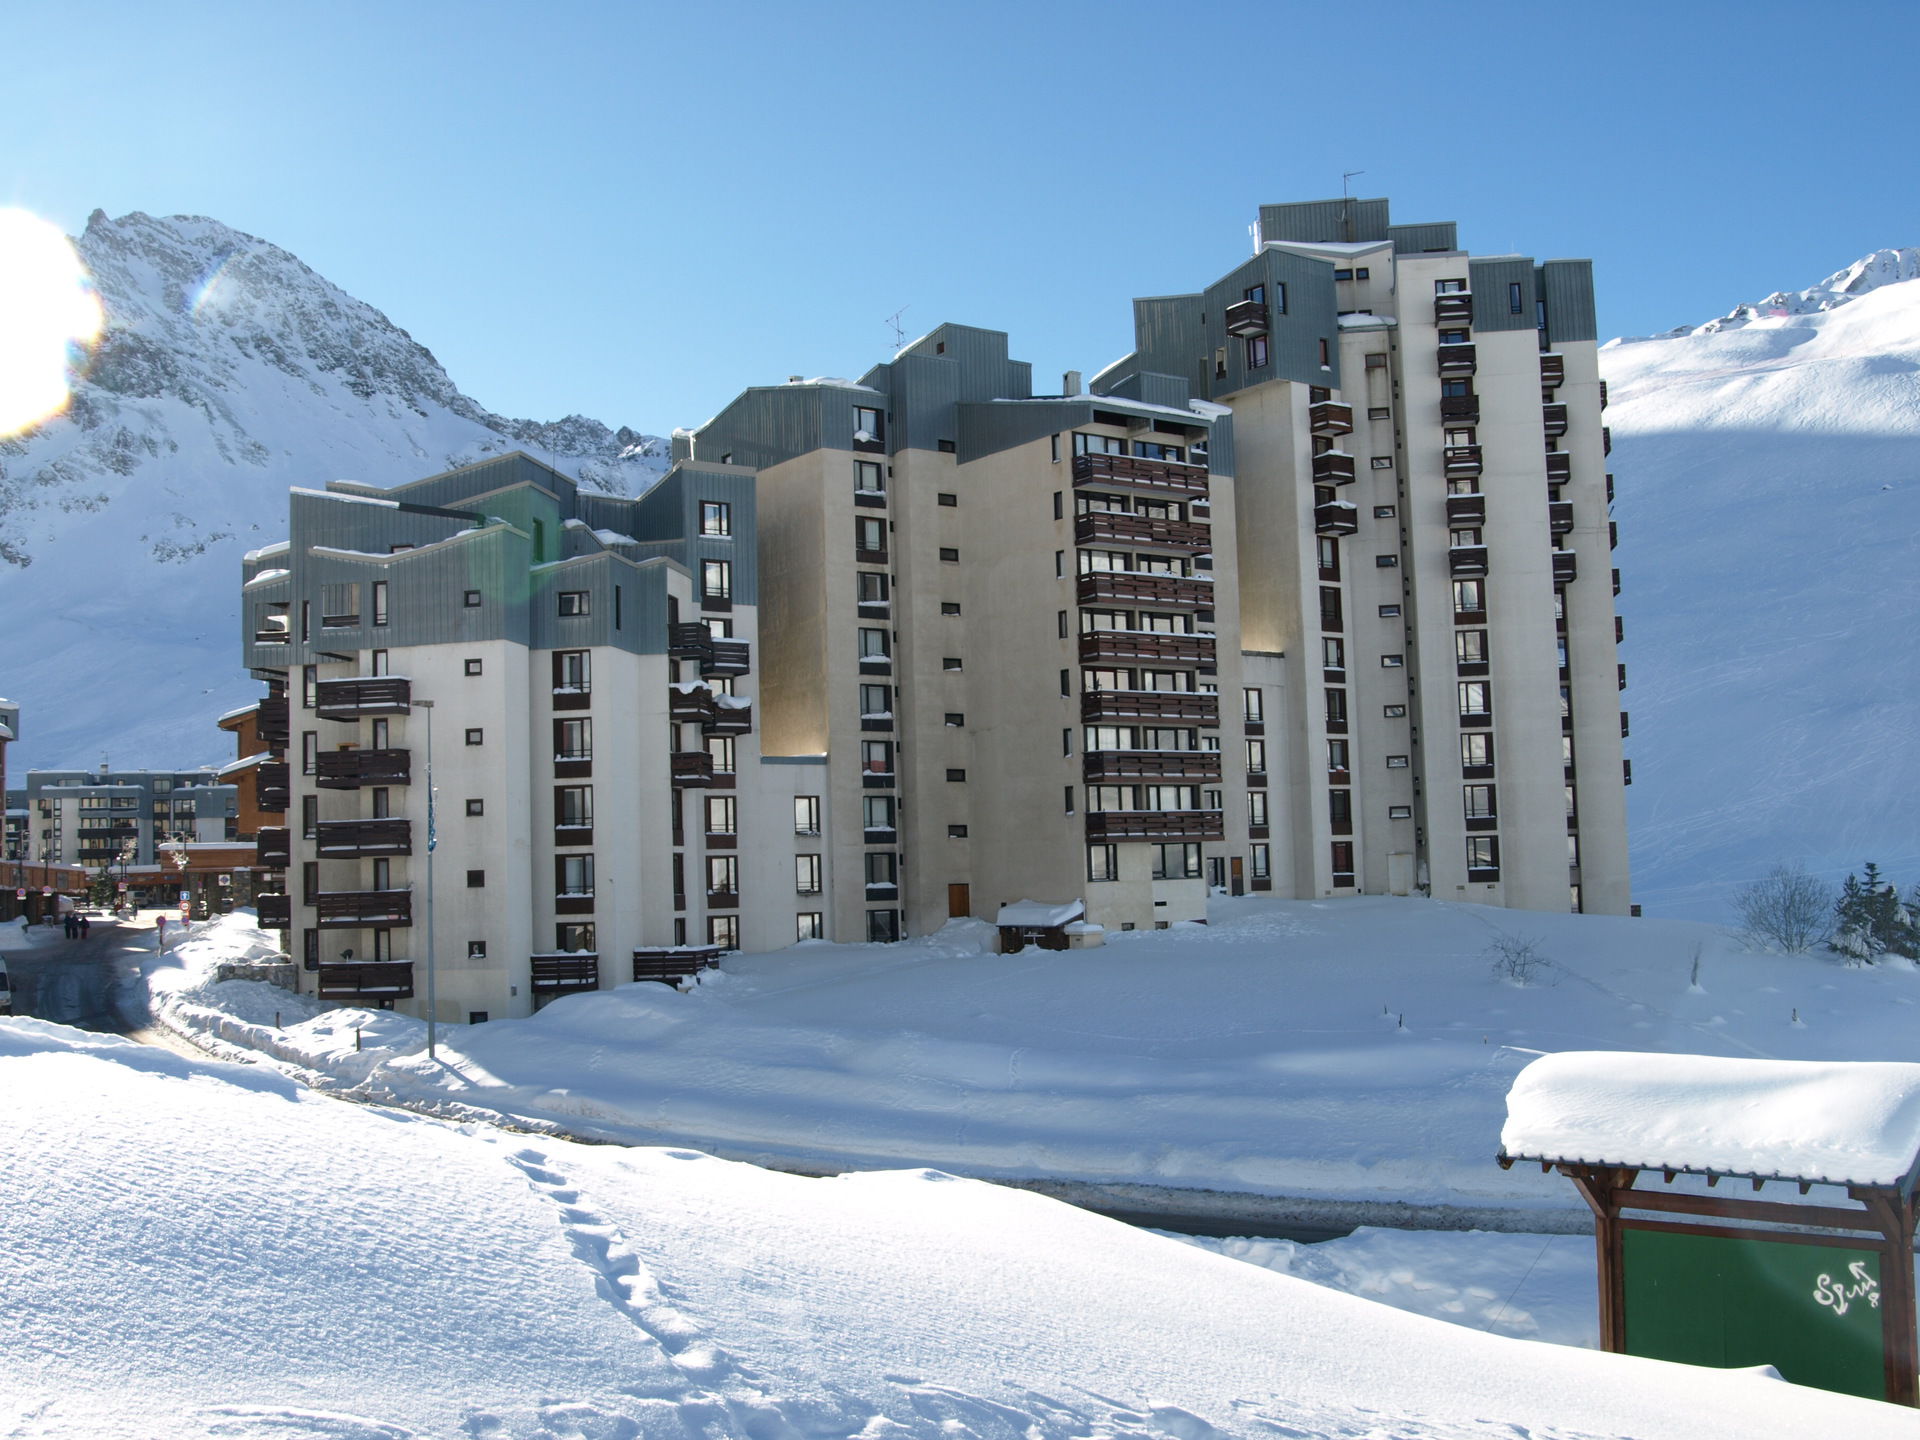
point(48, 306)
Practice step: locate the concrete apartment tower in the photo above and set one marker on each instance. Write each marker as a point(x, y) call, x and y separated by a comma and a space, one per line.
point(1423, 546)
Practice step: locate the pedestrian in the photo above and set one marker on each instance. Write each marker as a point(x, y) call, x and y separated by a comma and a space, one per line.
point(66, 923)
point(86, 927)
point(160, 926)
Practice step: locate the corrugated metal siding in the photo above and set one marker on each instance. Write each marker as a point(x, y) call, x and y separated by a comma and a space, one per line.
point(1152, 388)
point(1492, 309)
point(924, 389)
point(1567, 287)
point(987, 428)
point(641, 612)
point(1169, 338)
point(455, 487)
point(1316, 222)
point(1293, 343)
point(1416, 239)
point(1220, 447)
point(772, 423)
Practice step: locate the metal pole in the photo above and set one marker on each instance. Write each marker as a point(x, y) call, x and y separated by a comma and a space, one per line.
point(432, 840)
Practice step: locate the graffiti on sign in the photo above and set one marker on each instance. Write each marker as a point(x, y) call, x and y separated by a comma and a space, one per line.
point(1838, 1295)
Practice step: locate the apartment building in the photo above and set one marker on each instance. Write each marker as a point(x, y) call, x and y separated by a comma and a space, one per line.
point(534, 704)
point(108, 818)
point(1427, 593)
point(1307, 595)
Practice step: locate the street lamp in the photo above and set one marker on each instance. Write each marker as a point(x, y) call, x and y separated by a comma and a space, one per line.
point(432, 841)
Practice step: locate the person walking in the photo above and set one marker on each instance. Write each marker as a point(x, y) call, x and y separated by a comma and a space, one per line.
point(86, 928)
point(67, 924)
point(160, 933)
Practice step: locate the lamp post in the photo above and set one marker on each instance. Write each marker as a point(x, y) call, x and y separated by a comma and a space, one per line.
point(432, 841)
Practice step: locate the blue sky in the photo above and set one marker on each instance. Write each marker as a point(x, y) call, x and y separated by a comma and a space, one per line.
point(633, 211)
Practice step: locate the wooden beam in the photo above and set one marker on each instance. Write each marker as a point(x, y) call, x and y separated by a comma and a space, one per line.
point(1895, 1215)
point(1775, 1212)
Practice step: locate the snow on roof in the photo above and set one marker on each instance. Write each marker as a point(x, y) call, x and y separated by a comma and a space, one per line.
point(1359, 320)
point(265, 576)
point(238, 765)
point(1837, 1122)
point(6, 731)
point(236, 714)
point(345, 498)
point(1123, 404)
point(279, 547)
point(1035, 914)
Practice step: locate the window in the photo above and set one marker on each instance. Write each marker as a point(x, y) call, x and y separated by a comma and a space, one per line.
point(573, 805)
point(1449, 287)
point(1477, 800)
point(1336, 709)
point(870, 537)
point(956, 832)
point(1066, 742)
point(1066, 798)
point(716, 580)
point(1385, 562)
point(380, 614)
point(309, 816)
point(1279, 299)
point(876, 702)
point(1363, 273)
point(1262, 861)
point(471, 599)
point(476, 736)
point(1385, 512)
point(1514, 300)
point(1054, 449)
point(722, 814)
point(1252, 705)
point(1339, 756)
point(1331, 614)
point(1483, 853)
point(1326, 359)
point(871, 587)
point(876, 757)
point(869, 425)
point(1476, 697)
point(716, 517)
point(1340, 808)
point(1257, 808)
point(1470, 647)
point(573, 874)
point(571, 937)
point(809, 925)
point(1257, 352)
point(881, 869)
point(873, 644)
point(869, 478)
point(720, 748)
point(1103, 862)
point(950, 662)
point(1377, 360)
point(1066, 682)
point(883, 926)
point(806, 814)
point(949, 607)
point(1392, 662)
point(309, 752)
point(950, 500)
point(1379, 412)
point(1341, 854)
point(955, 719)
point(476, 879)
point(949, 554)
point(1396, 762)
point(473, 667)
point(572, 672)
point(1085, 444)
point(1333, 652)
point(806, 874)
point(476, 807)
point(476, 949)
point(877, 811)
point(1257, 756)
point(1059, 564)
point(1388, 612)
point(1343, 274)
point(723, 877)
point(1176, 862)
point(309, 686)
point(1476, 750)
point(957, 776)
point(724, 931)
point(573, 739)
point(1469, 597)
point(1454, 337)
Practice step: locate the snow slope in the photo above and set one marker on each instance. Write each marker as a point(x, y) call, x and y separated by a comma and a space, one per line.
point(229, 372)
point(285, 1266)
point(1352, 1050)
point(1768, 468)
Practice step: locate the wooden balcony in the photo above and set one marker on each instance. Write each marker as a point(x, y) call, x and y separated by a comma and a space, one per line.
point(363, 909)
point(1330, 417)
point(692, 767)
point(716, 656)
point(1465, 561)
point(1179, 706)
point(1247, 317)
point(1559, 468)
point(1105, 527)
point(360, 695)
point(689, 704)
point(1336, 517)
point(1553, 418)
point(1452, 309)
point(1560, 517)
point(728, 719)
point(1566, 567)
point(569, 972)
point(1127, 587)
point(1466, 509)
point(1460, 409)
point(1101, 766)
point(381, 981)
point(1099, 647)
point(1553, 371)
point(1461, 461)
point(275, 910)
point(673, 964)
point(1333, 467)
point(271, 787)
point(273, 847)
point(351, 769)
point(272, 721)
point(1457, 359)
point(1156, 825)
point(351, 839)
point(1159, 477)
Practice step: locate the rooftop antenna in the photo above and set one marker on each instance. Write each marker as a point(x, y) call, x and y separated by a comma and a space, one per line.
point(899, 331)
point(1346, 200)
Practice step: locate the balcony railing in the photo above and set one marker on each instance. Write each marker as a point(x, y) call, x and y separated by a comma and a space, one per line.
point(359, 695)
point(1105, 587)
point(1559, 468)
point(1165, 477)
point(1330, 417)
point(272, 721)
point(381, 981)
point(350, 839)
point(1466, 509)
point(1553, 371)
point(716, 656)
point(1247, 317)
point(1156, 825)
point(273, 847)
point(1461, 460)
point(1189, 707)
point(1101, 527)
point(272, 787)
point(350, 769)
point(1333, 467)
point(1566, 567)
point(1336, 517)
point(356, 909)
point(275, 910)
point(1560, 516)
point(1554, 419)
point(728, 719)
point(1116, 765)
point(1448, 309)
point(1467, 560)
point(670, 966)
point(570, 972)
point(1457, 359)
point(689, 704)
point(1100, 646)
point(1463, 408)
point(692, 767)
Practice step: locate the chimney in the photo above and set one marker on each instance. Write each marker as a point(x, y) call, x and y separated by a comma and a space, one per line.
point(1070, 383)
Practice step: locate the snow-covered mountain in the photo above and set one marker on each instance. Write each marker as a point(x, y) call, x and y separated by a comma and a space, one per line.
point(228, 372)
point(1768, 468)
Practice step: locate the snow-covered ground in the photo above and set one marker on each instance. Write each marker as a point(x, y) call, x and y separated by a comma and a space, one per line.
point(195, 1249)
point(1354, 1050)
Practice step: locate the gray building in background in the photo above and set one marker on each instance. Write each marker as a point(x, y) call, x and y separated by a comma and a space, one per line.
point(79, 817)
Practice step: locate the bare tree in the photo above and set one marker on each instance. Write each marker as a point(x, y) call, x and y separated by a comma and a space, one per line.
point(1786, 910)
point(1515, 957)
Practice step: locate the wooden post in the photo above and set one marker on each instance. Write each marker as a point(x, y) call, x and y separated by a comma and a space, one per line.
point(1893, 1214)
point(1600, 1189)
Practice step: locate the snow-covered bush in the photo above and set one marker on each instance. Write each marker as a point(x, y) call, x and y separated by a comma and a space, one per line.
point(1871, 920)
point(1516, 957)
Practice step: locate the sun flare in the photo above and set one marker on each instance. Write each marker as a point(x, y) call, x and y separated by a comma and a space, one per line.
point(49, 315)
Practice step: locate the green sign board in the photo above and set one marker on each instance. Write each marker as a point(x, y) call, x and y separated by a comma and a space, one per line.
point(1810, 1311)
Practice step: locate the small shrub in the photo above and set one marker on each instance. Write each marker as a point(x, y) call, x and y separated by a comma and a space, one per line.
point(1516, 957)
point(1787, 910)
